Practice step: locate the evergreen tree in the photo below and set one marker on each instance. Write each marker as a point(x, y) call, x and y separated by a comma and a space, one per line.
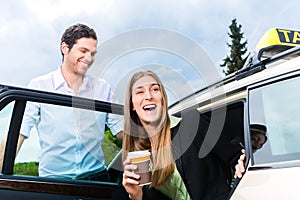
point(235, 60)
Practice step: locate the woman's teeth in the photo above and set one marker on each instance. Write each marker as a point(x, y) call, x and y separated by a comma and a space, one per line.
point(149, 107)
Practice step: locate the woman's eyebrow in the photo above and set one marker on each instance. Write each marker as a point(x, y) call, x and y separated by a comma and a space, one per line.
point(154, 84)
point(141, 86)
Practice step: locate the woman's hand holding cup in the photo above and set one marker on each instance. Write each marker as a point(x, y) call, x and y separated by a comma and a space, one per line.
point(131, 180)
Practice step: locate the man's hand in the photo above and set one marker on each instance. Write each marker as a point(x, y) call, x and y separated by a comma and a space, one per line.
point(239, 168)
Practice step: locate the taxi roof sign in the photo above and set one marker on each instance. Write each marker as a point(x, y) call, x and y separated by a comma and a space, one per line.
point(277, 40)
point(276, 44)
point(276, 36)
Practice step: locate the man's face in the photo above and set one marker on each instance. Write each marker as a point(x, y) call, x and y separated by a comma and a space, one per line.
point(82, 55)
point(257, 140)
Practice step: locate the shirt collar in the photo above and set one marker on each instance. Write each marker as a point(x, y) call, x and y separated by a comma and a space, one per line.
point(59, 79)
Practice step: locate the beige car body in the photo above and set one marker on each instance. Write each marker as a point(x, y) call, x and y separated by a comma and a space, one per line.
point(275, 180)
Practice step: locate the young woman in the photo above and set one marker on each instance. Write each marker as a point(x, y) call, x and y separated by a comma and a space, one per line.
point(147, 127)
point(174, 143)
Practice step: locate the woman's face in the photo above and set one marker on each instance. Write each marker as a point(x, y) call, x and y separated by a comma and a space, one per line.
point(147, 100)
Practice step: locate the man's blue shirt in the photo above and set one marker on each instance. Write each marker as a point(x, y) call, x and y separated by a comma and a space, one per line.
point(70, 138)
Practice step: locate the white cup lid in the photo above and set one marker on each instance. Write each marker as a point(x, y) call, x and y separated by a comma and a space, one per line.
point(137, 154)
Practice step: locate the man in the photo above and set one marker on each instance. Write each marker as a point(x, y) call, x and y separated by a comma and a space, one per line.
point(258, 136)
point(258, 139)
point(70, 138)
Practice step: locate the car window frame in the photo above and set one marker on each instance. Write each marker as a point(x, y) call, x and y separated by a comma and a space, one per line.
point(248, 147)
point(55, 186)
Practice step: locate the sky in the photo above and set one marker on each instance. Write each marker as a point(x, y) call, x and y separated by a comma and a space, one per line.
point(30, 32)
point(184, 41)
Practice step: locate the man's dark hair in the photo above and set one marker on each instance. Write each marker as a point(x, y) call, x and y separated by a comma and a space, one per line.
point(75, 32)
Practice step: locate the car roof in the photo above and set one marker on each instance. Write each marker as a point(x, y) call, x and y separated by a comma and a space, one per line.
point(231, 89)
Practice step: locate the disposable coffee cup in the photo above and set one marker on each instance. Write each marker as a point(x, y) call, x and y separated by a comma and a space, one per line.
point(142, 160)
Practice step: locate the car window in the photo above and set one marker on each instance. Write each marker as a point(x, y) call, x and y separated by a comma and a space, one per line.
point(276, 106)
point(5, 117)
point(81, 145)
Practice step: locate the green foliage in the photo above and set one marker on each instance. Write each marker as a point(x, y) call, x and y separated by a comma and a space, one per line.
point(110, 149)
point(111, 145)
point(29, 169)
point(112, 138)
point(235, 60)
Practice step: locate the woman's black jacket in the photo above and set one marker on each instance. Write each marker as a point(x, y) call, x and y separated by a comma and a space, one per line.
point(208, 177)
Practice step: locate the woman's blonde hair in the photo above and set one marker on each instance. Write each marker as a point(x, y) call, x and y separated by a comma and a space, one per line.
point(136, 137)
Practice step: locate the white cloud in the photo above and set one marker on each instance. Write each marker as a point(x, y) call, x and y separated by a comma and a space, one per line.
point(51, 10)
point(30, 30)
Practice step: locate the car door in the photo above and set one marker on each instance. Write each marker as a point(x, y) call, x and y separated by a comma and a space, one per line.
point(273, 171)
point(25, 183)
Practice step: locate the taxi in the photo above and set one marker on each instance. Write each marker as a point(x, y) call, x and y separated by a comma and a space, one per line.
point(259, 107)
